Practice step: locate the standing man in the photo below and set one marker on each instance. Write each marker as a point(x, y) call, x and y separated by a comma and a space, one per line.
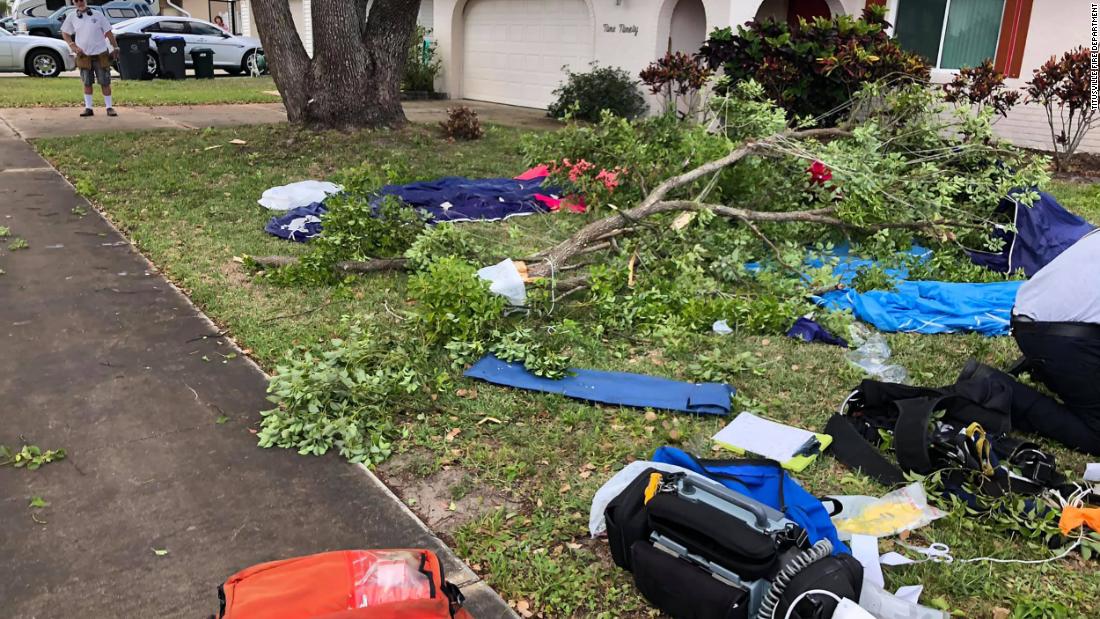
point(91, 31)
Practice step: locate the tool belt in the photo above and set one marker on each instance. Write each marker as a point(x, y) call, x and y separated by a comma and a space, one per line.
point(962, 429)
point(84, 61)
point(698, 549)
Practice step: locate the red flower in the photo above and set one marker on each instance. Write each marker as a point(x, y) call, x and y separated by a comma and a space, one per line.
point(610, 178)
point(819, 172)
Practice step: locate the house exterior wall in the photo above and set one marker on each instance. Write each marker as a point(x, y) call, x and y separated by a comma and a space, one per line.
point(611, 45)
point(1055, 26)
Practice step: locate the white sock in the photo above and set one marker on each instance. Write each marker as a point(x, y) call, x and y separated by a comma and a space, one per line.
point(88, 101)
point(107, 101)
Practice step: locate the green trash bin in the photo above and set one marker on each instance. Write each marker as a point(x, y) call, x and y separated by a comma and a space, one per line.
point(202, 61)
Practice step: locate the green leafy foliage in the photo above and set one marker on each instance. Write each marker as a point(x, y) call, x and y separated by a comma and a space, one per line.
point(444, 240)
point(359, 226)
point(38, 502)
point(5, 232)
point(343, 397)
point(422, 63)
point(30, 456)
point(17, 243)
point(453, 303)
point(539, 350)
point(645, 152)
point(815, 69)
point(873, 277)
point(716, 365)
point(585, 96)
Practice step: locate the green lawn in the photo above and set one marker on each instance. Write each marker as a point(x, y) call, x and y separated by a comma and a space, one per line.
point(65, 91)
point(540, 458)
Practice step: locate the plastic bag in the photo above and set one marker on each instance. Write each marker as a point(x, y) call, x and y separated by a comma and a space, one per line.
point(901, 510)
point(506, 281)
point(387, 576)
point(872, 355)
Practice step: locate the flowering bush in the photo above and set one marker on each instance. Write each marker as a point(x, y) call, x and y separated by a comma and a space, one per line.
point(1061, 86)
point(585, 186)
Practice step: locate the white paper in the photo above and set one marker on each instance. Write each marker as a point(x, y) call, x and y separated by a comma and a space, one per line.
point(865, 550)
point(1092, 471)
point(847, 609)
point(893, 559)
point(721, 327)
point(910, 593)
point(763, 437)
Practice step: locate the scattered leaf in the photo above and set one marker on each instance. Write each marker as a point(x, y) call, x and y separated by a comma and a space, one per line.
point(452, 434)
point(565, 488)
point(221, 419)
point(237, 142)
point(213, 147)
point(489, 420)
point(160, 552)
point(38, 502)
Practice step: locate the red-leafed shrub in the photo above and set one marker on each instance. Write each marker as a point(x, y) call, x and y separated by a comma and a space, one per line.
point(1061, 86)
point(982, 86)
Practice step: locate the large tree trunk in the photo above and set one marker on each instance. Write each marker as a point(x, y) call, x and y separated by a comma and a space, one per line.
point(354, 77)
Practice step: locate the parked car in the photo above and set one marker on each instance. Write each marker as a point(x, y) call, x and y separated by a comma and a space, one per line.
point(8, 23)
point(35, 56)
point(116, 11)
point(45, 8)
point(233, 54)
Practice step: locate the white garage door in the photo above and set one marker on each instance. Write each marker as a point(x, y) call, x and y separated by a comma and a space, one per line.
point(514, 50)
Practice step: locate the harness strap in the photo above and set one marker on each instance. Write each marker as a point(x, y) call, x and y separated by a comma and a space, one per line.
point(852, 450)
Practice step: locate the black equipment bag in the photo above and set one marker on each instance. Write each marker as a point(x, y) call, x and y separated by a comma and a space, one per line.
point(699, 550)
point(963, 426)
point(683, 590)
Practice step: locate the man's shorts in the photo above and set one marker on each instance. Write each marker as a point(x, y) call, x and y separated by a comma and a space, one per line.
point(100, 72)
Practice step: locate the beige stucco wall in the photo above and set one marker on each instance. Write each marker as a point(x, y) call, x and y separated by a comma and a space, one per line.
point(617, 49)
point(1056, 26)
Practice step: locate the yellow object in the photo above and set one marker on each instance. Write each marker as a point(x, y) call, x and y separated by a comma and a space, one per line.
point(797, 463)
point(879, 517)
point(976, 433)
point(651, 488)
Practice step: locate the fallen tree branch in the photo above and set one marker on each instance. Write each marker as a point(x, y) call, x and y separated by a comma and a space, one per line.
point(374, 265)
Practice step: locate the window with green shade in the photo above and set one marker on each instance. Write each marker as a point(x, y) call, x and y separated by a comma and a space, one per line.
point(950, 34)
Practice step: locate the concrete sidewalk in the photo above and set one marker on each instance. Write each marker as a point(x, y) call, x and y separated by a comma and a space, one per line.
point(38, 122)
point(102, 356)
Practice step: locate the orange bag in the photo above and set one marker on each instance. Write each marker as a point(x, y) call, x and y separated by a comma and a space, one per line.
point(345, 584)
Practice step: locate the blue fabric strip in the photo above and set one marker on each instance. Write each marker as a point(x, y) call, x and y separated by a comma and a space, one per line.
point(620, 388)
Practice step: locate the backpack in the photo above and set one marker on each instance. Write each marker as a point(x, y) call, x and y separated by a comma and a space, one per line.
point(344, 584)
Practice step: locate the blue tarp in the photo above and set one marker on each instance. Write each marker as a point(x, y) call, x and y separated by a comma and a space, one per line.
point(931, 307)
point(767, 483)
point(1043, 231)
point(921, 306)
point(619, 388)
point(454, 198)
point(298, 224)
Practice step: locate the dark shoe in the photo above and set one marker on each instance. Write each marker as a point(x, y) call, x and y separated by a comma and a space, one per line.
point(111, 112)
point(87, 112)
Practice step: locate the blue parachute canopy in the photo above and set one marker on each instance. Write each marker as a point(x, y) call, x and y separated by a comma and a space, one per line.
point(1043, 231)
